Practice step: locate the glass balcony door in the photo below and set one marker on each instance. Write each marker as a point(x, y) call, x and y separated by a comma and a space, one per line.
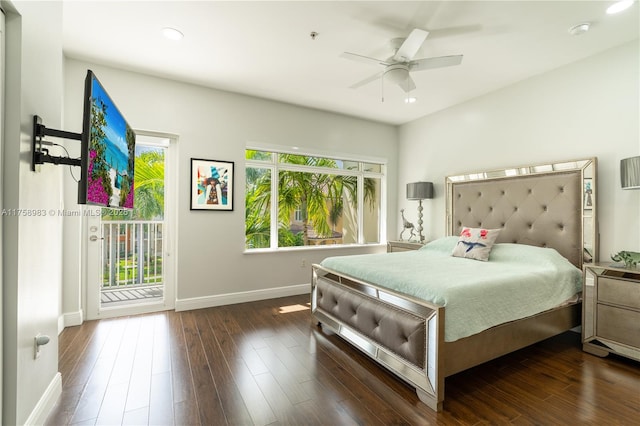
point(129, 269)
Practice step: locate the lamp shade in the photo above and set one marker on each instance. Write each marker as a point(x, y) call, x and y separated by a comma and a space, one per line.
point(629, 173)
point(419, 190)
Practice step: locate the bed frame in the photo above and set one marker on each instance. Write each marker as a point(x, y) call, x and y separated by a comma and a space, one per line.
point(542, 205)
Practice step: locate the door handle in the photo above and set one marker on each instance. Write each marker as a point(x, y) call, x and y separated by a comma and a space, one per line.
point(95, 238)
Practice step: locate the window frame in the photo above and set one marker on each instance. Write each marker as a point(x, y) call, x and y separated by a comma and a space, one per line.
point(274, 166)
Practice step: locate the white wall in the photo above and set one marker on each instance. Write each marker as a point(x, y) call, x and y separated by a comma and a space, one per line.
point(585, 109)
point(213, 124)
point(32, 246)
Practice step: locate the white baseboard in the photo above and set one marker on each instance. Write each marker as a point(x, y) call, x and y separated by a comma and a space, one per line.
point(245, 296)
point(70, 319)
point(46, 402)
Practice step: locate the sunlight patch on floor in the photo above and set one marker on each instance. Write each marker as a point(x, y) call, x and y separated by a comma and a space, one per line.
point(293, 308)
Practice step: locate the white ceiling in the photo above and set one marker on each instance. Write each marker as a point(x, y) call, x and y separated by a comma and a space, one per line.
point(264, 48)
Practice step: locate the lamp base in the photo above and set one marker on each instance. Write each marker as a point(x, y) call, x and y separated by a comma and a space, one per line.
point(420, 236)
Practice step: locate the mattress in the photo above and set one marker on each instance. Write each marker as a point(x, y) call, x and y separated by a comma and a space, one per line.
point(518, 281)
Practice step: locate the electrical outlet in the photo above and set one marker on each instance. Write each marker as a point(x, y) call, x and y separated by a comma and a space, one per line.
point(303, 263)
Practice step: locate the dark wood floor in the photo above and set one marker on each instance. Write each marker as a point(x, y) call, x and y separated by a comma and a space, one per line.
point(265, 363)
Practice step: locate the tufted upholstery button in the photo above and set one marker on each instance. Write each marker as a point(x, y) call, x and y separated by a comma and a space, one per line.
point(544, 245)
point(469, 208)
point(490, 209)
point(502, 225)
point(530, 191)
point(561, 189)
point(515, 209)
point(502, 192)
point(479, 194)
point(529, 225)
point(545, 208)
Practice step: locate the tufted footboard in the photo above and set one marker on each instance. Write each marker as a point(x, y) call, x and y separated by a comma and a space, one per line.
point(400, 333)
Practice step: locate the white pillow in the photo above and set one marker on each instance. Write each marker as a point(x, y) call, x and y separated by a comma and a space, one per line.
point(475, 243)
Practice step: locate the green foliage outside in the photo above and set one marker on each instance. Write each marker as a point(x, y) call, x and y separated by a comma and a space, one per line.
point(127, 274)
point(319, 196)
point(148, 189)
point(148, 205)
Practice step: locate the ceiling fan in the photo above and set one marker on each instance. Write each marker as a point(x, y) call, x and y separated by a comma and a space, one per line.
point(398, 67)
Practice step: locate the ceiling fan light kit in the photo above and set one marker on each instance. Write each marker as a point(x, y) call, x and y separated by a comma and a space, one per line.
point(399, 74)
point(398, 67)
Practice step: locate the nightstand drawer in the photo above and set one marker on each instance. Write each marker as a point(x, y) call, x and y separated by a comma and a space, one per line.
point(611, 310)
point(619, 325)
point(619, 292)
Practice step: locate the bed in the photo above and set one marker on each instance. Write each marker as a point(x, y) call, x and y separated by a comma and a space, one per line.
point(543, 206)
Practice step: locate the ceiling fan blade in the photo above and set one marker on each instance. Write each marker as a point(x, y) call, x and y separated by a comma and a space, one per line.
point(367, 80)
point(408, 85)
point(439, 62)
point(410, 46)
point(365, 59)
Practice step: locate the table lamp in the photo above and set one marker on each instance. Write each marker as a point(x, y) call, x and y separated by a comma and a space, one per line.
point(419, 191)
point(629, 173)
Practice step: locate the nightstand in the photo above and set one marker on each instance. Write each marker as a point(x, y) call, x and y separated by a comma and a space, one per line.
point(396, 246)
point(611, 310)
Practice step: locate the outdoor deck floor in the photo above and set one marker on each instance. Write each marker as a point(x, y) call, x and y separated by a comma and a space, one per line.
point(113, 297)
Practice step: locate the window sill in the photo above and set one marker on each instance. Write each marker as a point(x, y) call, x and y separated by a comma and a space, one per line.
point(314, 248)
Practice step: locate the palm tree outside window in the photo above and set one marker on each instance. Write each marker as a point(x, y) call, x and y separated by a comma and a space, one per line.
point(316, 200)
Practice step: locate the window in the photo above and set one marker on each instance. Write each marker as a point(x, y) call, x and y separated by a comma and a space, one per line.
point(315, 200)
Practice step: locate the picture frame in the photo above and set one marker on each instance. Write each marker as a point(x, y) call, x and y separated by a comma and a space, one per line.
point(589, 196)
point(212, 185)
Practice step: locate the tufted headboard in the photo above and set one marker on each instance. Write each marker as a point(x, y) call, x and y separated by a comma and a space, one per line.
point(541, 205)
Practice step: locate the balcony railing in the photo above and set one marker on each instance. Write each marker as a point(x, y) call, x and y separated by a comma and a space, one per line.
point(132, 260)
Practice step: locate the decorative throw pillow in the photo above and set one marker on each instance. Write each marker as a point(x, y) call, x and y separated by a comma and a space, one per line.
point(475, 243)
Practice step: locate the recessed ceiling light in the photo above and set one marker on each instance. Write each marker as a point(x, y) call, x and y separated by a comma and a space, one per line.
point(579, 29)
point(619, 6)
point(172, 33)
point(410, 100)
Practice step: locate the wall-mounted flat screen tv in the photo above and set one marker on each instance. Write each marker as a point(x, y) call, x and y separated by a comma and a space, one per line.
point(108, 151)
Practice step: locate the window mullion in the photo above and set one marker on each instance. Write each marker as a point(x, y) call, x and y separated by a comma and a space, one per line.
point(382, 228)
point(323, 170)
point(275, 179)
point(360, 211)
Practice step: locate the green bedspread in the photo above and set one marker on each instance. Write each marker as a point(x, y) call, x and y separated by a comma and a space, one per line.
point(518, 281)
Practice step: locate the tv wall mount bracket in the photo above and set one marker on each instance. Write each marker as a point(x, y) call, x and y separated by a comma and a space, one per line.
point(39, 154)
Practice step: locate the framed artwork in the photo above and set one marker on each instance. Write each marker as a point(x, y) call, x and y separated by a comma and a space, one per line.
point(589, 194)
point(211, 184)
